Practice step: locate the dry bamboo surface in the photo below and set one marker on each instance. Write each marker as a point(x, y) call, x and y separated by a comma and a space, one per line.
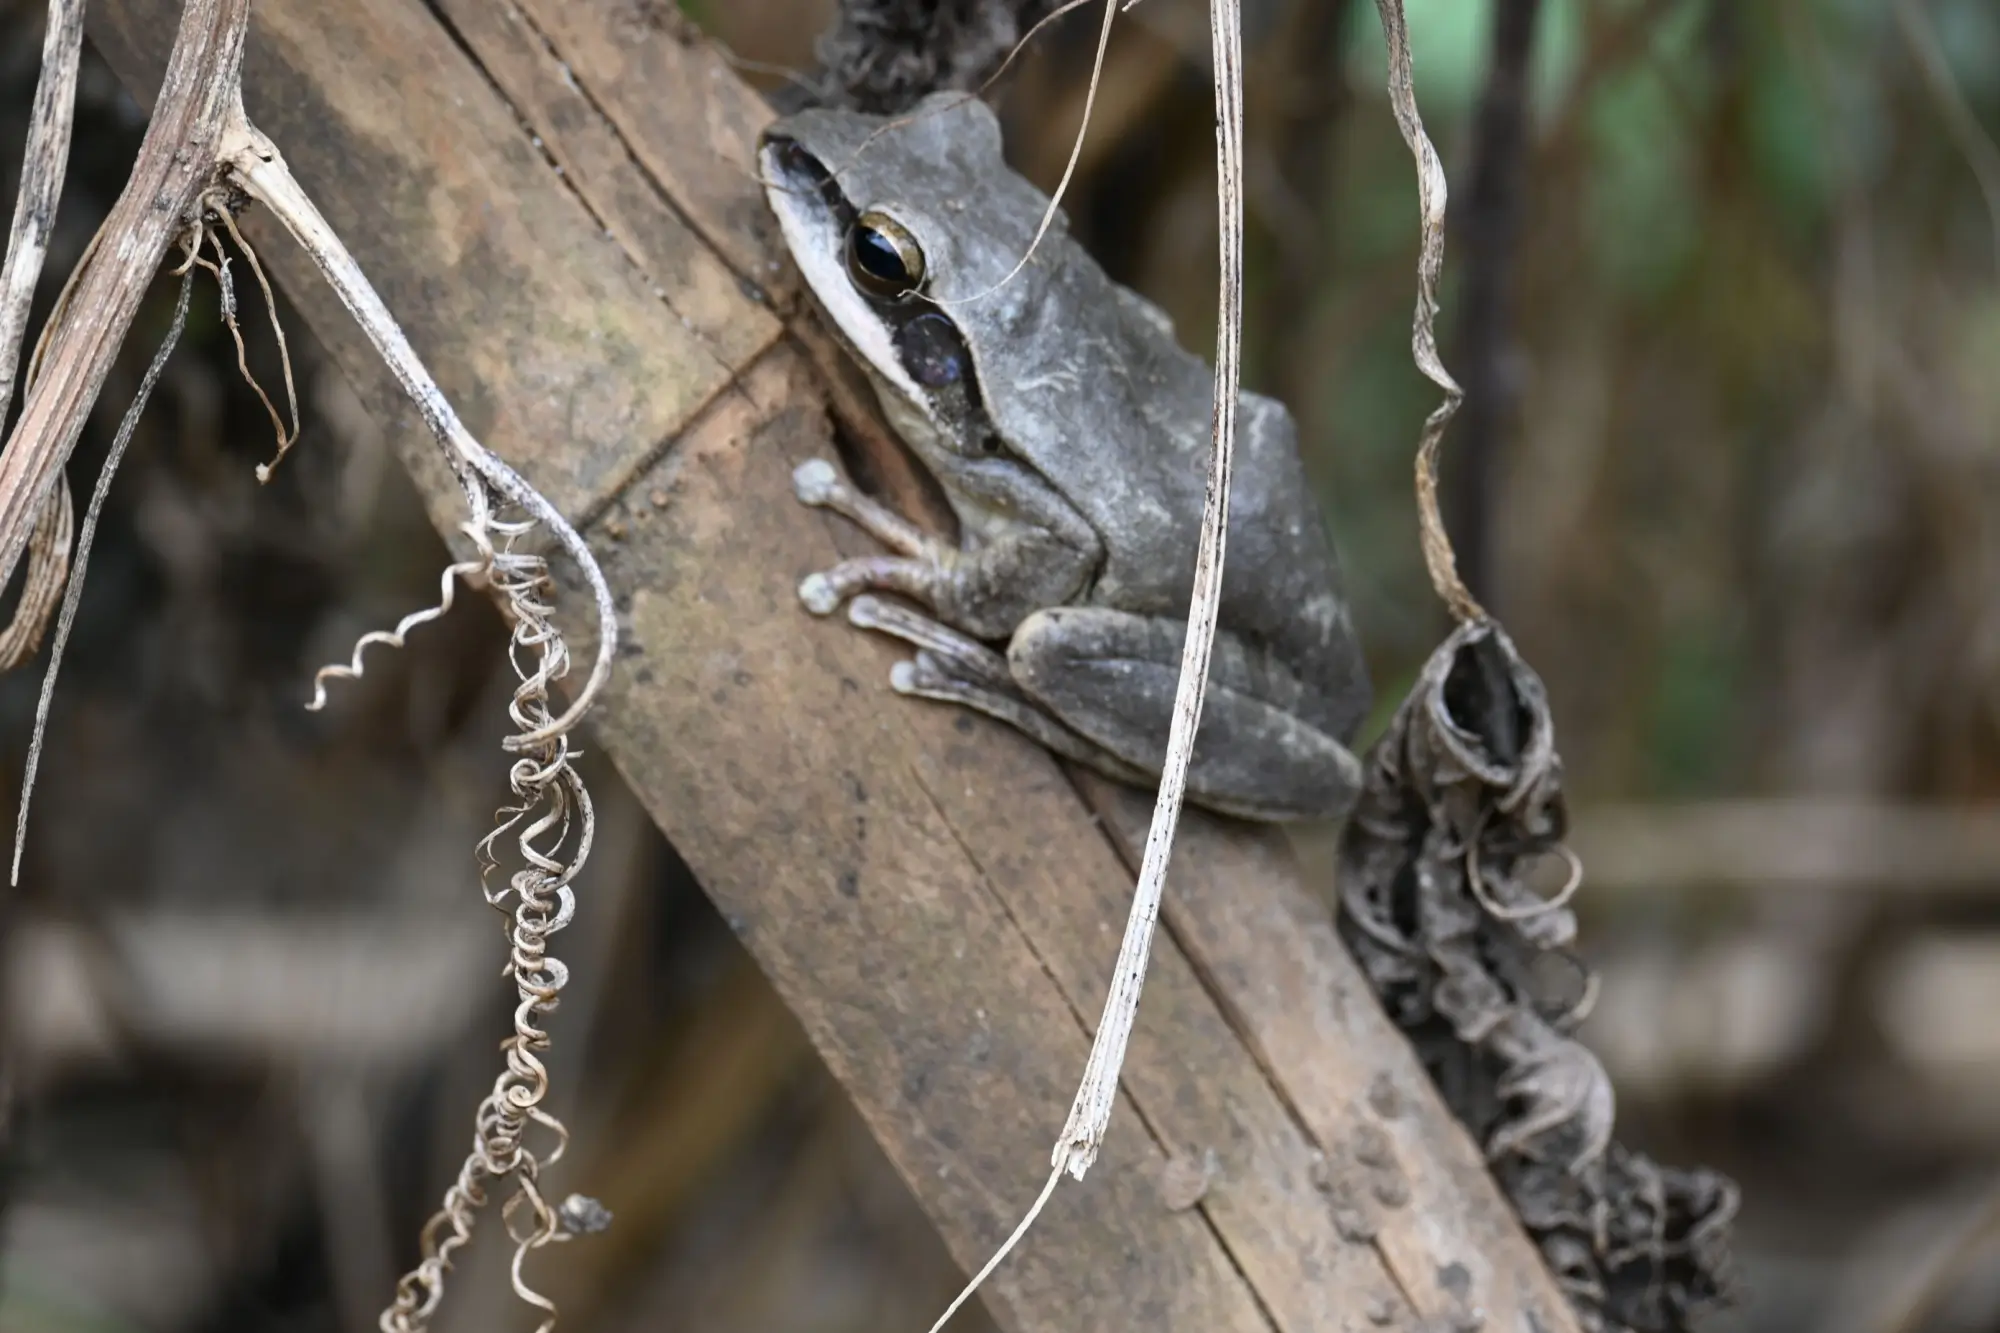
point(936, 900)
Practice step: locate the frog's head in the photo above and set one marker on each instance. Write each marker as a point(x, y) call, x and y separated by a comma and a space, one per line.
point(893, 223)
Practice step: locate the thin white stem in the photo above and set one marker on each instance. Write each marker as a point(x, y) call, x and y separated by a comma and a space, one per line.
point(43, 163)
point(1006, 1248)
point(256, 164)
point(1090, 1114)
point(41, 184)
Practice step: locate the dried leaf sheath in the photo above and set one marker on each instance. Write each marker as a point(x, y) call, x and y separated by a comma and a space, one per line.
point(1463, 797)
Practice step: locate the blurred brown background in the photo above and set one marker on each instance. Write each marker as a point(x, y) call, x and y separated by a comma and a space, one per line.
point(1734, 493)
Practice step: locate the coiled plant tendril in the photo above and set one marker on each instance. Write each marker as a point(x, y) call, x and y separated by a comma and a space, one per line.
point(552, 821)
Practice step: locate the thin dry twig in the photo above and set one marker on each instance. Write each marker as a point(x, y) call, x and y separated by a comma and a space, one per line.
point(42, 170)
point(287, 436)
point(1097, 1094)
point(485, 479)
point(256, 165)
point(175, 165)
point(216, 204)
point(81, 564)
point(1069, 169)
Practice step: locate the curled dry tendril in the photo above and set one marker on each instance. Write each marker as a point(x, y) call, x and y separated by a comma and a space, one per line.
point(552, 821)
point(397, 637)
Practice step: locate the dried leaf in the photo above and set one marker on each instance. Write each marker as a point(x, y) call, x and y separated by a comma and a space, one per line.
point(1463, 797)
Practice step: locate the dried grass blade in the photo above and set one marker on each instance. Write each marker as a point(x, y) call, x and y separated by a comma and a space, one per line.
point(1090, 1114)
point(74, 594)
point(1431, 195)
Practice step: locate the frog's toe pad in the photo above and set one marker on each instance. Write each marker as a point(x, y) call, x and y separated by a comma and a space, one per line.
point(819, 594)
point(815, 483)
point(903, 678)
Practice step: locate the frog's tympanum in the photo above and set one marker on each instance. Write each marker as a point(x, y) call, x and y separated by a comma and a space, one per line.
point(1070, 433)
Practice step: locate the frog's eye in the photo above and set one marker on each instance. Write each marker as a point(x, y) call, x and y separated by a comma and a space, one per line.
point(883, 259)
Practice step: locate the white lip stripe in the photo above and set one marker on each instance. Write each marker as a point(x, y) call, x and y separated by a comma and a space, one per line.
point(817, 246)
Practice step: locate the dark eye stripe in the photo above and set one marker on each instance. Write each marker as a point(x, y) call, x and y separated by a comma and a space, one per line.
point(932, 351)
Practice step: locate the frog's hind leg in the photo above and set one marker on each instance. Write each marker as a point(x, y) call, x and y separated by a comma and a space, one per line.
point(952, 668)
point(1110, 676)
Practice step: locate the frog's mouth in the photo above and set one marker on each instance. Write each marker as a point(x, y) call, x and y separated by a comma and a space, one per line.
point(909, 342)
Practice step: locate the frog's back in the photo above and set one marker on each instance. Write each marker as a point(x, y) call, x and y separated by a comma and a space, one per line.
point(1116, 414)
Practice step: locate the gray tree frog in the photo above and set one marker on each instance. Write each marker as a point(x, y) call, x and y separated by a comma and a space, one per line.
point(1070, 432)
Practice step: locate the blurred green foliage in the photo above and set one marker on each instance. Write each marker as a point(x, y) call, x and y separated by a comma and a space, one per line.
point(1751, 253)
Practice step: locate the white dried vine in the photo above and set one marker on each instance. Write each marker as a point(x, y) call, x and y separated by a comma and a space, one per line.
point(551, 816)
point(218, 159)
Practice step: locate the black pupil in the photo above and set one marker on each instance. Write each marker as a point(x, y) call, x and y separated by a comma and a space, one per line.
point(879, 259)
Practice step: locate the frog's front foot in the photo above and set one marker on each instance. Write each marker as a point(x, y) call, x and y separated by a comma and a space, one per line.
point(913, 571)
point(820, 594)
point(815, 482)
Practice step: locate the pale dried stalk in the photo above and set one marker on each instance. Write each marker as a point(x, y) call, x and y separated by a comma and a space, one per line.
point(1431, 195)
point(42, 165)
point(1090, 1114)
point(255, 164)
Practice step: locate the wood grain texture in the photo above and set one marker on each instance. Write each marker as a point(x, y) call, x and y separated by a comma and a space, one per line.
point(1397, 1167)
point(925, 889)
